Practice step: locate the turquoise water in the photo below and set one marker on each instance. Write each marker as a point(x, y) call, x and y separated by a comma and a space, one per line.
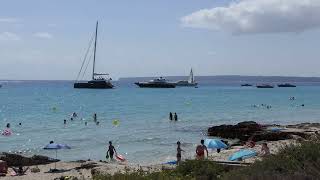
point(144, 134)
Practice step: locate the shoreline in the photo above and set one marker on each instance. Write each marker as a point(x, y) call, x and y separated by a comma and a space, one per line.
point(84, 169)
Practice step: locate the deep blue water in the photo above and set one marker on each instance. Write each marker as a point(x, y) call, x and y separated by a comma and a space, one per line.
point(144, 134)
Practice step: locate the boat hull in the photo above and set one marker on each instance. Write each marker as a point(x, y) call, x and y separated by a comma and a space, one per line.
point(264, 86)
point(187, 84)
point(284, 85)
point(93, 85)
point(155, 85)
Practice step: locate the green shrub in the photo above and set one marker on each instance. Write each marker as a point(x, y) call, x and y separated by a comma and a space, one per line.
point(292, 162)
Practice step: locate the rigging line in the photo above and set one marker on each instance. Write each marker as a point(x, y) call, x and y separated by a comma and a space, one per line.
point(84, 72)
point(85, 57)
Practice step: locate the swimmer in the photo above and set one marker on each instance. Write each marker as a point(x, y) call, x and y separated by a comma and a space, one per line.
point(170, 116)
point(64, 121)
point(20, 124)
point(74, 114)
point(85, 123)
point(71, 119)
point(8, 125)
point(97, 123)
point(302, 105)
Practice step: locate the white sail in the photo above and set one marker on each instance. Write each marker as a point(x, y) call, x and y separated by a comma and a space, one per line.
point(191, 77)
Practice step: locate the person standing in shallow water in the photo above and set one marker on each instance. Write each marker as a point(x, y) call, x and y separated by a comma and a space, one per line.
point(175, 117)
point(170, 116)
point(95, 117)
point(179, 150)
point(111, 151)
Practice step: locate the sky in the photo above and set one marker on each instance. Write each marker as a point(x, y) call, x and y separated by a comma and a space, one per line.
point(47, 40)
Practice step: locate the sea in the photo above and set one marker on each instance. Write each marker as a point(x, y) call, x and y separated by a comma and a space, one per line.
point(137, 121)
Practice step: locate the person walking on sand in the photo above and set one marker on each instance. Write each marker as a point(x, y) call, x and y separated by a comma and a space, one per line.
point(175, 117)
point(179, 150)
point(170, 116)
point(200, 150)
point(111, 151)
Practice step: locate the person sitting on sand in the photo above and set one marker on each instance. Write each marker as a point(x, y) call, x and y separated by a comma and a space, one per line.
point(200, 150)
point(111, 151)
point(250, 143)
point(265, 150)
point(179, 150)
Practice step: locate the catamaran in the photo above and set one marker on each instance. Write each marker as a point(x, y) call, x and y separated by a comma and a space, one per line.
point(98, 80)
point(189, 82)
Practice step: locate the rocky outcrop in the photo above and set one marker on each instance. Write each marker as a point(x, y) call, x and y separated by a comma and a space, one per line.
point(242, 131)
point(19, 160)
point(250, 129)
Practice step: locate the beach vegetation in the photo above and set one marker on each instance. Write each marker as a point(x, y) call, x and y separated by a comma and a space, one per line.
point(300, 161)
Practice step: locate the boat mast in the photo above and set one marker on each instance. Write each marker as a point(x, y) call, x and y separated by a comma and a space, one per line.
point(191, 78)
point(94, 53)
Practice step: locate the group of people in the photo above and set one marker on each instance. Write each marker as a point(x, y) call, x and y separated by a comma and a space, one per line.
point(202, 150)
point(173, 116)
point(75, 115)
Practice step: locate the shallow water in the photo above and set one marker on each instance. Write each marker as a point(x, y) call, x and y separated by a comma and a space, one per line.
point(144, 134)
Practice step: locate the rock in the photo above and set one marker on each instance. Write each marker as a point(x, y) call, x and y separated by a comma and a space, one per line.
point(19, 160)
point(242, 131)
point(250, 129)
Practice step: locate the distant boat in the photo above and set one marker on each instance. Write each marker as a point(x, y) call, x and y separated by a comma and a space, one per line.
point(264, 86)
point(246, 85)
point(156, 83)
point(286, 85)
point(190, 82)
point(97, 81)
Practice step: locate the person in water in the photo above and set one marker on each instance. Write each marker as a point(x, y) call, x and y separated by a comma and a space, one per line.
point(71, 119)
point(170, 116)
point(200, 150)
point(179, 150)
point(97, 123)
point(64, 121)
point(8, 125)
point(111, 150)
point(95, 116)
point(175, 117)
point(20, 124)
point(85, 123)
point(74, 114)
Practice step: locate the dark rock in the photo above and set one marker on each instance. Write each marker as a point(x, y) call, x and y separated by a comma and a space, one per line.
point(19, 160)
point(250, 129)
point(242, 131)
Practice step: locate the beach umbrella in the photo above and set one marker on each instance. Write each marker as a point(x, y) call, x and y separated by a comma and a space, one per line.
point(242, 154)
point(56, 147)
point(215, 144)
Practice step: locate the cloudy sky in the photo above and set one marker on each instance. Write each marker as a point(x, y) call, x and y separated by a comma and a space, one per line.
point(43, 39)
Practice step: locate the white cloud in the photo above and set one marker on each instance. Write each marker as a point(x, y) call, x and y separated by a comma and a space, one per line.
point(43, 35)
point(8, 20)
point(9, 36)
point(258, 16)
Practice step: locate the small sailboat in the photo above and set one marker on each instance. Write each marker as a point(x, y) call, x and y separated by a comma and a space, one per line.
point(189, 82)
point(98, 81)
